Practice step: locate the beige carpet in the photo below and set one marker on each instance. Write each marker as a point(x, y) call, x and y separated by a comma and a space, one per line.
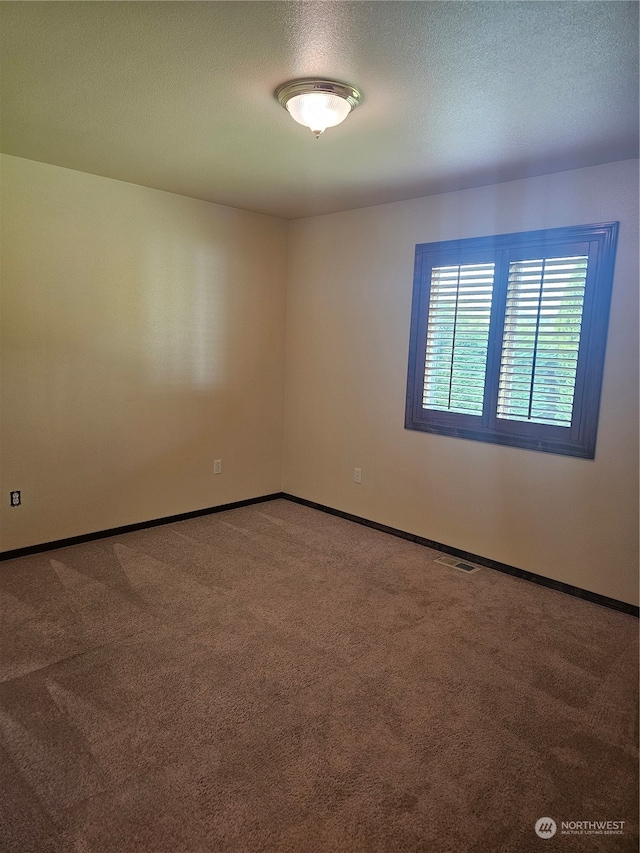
point(273, 678)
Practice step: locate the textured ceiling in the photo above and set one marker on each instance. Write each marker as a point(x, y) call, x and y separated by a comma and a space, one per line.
point(179, 95)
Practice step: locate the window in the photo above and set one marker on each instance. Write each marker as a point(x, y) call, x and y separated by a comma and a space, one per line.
point(508, 337)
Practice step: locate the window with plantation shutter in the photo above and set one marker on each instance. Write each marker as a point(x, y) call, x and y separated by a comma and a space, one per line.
point(458, 337)
point(508, 337)
point(541, 338)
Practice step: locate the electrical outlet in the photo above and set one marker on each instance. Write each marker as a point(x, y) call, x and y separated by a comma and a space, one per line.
point(217, 466)
point(16, 500)
point(357, 475)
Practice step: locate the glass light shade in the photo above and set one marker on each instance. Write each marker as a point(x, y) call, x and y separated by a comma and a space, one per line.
point(318, 110)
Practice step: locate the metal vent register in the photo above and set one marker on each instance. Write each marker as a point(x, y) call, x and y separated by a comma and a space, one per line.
point(462, 566)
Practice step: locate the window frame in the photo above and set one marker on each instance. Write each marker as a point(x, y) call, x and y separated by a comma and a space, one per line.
point(598, 242)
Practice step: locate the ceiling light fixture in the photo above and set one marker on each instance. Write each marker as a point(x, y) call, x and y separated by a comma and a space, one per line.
point(318, 104)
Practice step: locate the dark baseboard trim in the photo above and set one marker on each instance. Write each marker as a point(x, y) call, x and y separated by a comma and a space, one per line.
point(129, 528)
point(559, 586)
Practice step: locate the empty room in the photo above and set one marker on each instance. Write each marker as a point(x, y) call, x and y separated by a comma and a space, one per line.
point(319, 427)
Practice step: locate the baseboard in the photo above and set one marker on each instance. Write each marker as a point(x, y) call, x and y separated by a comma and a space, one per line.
point(559, 586)
point(129, 528)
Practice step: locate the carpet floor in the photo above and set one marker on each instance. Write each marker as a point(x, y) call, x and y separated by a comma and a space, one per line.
point(273, 678)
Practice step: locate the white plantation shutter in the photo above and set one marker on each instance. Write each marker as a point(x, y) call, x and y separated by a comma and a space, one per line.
point(542, 326)
point(458, 338)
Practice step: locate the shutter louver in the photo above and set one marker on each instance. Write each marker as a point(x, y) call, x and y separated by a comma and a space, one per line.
point(541, 339)
point(458, 338)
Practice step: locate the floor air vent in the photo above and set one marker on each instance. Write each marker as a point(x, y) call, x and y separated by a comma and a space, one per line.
point(458, 564)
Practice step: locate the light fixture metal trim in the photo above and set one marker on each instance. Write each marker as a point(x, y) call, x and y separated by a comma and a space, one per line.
point(307, 85)
point(314, 101)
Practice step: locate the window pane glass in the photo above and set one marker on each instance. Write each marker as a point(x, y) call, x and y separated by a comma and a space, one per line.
point(458, 338)
point(541, 339)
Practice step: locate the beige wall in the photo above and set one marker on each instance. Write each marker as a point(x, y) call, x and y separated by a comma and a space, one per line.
point(349, 306)
point(142, 338)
